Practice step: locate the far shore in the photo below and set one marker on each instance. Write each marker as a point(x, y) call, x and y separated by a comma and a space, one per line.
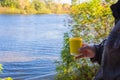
point(7, 10)
point(34, 13)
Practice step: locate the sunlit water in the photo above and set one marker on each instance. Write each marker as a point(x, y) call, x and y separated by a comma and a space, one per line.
point(30, 44)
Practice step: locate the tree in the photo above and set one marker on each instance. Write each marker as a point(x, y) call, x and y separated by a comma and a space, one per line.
point(74, 2)
point(66, 7)
point(93, 19)
point(8, 3)
point(23, 4)
point(31, 6)
point(38, 5)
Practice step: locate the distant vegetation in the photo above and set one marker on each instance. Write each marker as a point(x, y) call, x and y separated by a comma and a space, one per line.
point(32, 7)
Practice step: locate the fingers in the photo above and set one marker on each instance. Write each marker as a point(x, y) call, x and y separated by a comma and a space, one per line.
point(84, 51)
point(84, 44)
point(80, 56)
point(84, 48)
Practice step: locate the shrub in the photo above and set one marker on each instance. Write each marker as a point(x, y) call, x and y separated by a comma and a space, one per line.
point(92, 21)
point(8, 78)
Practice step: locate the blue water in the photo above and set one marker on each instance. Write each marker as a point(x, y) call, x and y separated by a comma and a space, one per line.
point(30, 44)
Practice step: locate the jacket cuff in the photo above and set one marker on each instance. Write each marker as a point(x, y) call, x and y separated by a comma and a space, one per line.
point(94, 59)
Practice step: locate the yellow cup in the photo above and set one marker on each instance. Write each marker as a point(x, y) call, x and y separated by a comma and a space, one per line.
point(75, 44)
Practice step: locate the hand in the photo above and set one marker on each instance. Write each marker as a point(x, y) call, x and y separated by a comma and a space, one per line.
point(86, 51)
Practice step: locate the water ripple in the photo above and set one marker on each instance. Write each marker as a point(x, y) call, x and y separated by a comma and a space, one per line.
point(30, 45)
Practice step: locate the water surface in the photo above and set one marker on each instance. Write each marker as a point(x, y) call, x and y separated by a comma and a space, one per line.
point(30, 44)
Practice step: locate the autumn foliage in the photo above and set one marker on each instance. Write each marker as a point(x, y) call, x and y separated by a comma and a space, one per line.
point(92, 21)
point(32, 7)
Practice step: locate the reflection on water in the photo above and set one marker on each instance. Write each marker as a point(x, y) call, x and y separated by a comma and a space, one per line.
point(29, 44)
point(22, 57)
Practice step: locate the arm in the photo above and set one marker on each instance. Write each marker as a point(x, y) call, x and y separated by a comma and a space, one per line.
point(98, 52)
point(99, 48)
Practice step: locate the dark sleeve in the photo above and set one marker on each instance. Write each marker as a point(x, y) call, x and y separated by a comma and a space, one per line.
point(98, 52)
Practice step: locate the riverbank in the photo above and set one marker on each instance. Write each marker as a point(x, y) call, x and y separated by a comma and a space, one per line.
point(8, 10)
point(33, 7)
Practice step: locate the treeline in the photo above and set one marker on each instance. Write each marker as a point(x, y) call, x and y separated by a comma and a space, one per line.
point(32, 7)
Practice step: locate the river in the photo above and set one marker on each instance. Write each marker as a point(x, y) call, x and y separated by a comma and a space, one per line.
point(30, 44)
